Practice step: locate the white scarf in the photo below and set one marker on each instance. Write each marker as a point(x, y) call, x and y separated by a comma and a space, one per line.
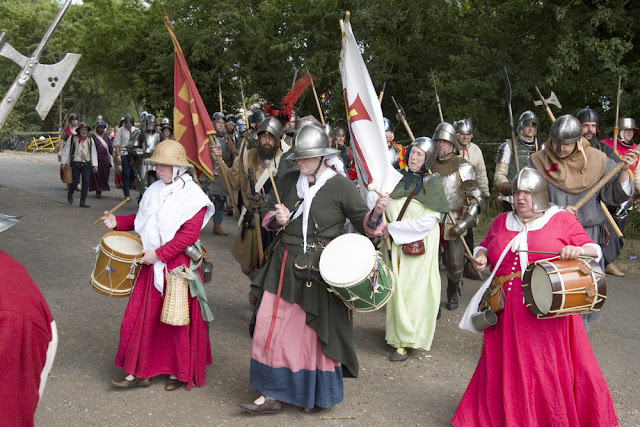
point(164, 208)
point(307, 194)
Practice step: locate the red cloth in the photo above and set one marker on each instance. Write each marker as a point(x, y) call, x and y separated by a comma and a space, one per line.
point(535, 372)
point(149, 347)
point(25, 333)
point(621, 150)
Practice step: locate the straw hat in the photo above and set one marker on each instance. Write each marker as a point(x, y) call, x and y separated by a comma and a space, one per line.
point(169, 152)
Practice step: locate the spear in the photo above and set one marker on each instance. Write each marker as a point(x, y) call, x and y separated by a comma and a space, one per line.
point(507, 91)
point(244, 105)
point(220, 91)
point(437, 97)
point(615, 128)
point(316, 95)
point(384, 84)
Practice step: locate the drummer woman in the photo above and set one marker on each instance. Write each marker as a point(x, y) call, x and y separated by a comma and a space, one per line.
point(303, 335)
point(534, 372)
point(172, 212)
point(414, 307)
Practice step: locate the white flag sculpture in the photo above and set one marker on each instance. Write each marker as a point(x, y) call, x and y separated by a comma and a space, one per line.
point(364, 115)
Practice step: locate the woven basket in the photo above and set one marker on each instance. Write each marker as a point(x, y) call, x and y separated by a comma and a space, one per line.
point(175, 309)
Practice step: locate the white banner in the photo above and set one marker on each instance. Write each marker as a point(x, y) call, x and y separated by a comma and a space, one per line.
point(364, 115)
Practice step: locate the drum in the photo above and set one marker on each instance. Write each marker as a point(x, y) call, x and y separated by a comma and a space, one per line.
point(356, 273)
point(554, 288)
point(116, 269)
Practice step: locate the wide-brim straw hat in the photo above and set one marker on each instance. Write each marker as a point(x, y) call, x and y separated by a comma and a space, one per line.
point(169, 152)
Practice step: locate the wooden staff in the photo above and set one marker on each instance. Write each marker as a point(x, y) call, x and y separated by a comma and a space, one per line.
point(315, 94)
point(546, 106)
point(372, 187)
point(607, 214)
point(555, 253)
point(224, 170)
point(113, 210)
point(615, 127)
point(275, 190)
point(612, 173)
point(384, 84)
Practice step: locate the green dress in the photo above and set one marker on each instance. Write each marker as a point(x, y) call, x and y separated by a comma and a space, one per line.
point(412, 311)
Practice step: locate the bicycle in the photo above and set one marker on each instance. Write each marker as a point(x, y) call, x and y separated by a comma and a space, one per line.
point(44, 144)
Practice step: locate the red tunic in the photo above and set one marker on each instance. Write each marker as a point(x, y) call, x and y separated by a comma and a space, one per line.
point(535, 372)
point(149, 347)
point(621, 150)
point(25, 334)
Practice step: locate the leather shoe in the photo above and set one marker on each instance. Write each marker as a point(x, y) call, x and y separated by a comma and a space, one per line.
point(313, 410)
point(452, 301)
point(83, 204)
point(400, 354)
point(136, 382)
point(173, 384)
point(613, 270)
point(217, 229)
point(270, 406)
point(70, 198)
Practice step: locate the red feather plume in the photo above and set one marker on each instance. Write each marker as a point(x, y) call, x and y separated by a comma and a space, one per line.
point(283, 112)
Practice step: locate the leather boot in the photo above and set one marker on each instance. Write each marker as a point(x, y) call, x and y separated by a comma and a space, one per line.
point(613, 270)
point(453, 290)
point(217, 229)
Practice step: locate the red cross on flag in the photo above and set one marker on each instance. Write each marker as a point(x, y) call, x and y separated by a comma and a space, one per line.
point(364, 115)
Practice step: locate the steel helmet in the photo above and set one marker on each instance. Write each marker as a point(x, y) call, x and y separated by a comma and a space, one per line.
point(311, 141)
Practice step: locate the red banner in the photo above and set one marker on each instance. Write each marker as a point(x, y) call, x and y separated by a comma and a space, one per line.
point(191, 123)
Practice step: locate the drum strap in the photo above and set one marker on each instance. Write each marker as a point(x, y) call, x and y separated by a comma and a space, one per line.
point(501, 280)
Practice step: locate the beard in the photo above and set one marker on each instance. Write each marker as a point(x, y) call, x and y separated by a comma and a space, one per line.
point(267, 152)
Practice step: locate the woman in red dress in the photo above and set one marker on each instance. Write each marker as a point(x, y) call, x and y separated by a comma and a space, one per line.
point(534, 372)
point(172, 212)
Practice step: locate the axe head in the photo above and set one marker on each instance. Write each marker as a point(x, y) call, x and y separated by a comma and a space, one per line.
point(552, 100)
point(51, 79)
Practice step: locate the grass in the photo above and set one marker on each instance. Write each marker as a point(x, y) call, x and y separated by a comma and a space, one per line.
point(631, 237)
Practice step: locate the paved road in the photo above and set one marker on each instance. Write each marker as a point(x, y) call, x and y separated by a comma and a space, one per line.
point(55, 243)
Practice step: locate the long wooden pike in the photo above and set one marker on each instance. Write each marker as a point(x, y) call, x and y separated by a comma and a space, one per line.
point(220, 91)
point(224, 171)
point(507, 92)
point(435, 88)
point(244, 106)
point(616, 130)
point(384, 84)
point(315, 94)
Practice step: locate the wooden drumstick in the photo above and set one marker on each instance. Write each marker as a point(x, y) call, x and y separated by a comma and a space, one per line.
point(555, 253)
point(113, 210)
point(275, 190)
point(372, 187)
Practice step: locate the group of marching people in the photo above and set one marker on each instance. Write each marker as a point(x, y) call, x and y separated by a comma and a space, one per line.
point(293, 203)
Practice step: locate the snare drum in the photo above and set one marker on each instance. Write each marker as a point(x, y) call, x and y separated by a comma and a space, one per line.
point(116, 269)
point(554, 288)
point(356, 273)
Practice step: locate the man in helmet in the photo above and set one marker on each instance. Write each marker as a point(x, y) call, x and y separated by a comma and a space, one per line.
point(249, 174)
point(628, 129)
point(148, 138)
point(571, 168)
point(123, 158)
point(396, 151)
point(465, 201)
point(287, 164)
point(230, 126)
point(526, 144)
point(345, 152)
point(591, 131)
point(473, 154)
point(254, 121)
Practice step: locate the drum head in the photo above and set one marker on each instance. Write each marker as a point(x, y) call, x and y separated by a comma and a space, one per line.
point(123, 244)
point(347, 260)
point(541, 289)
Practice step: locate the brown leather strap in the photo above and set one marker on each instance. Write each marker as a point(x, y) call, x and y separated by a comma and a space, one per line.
point(406, 203)
point(499, 281)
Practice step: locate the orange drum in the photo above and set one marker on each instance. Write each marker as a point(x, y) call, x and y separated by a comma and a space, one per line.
point(116, 269)
point(554, 288)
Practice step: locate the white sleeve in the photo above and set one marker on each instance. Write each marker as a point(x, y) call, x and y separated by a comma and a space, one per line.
point(407, 231)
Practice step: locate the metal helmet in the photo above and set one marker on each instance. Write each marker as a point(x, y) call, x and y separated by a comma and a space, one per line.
point(464, 126)
point(328, 130)
point(627, 123)
point(143, 116)
point(588, 115)
point(8, 221)
point(73, 116)
point(151, 121)
point(531, 181)
point(230, 118)
point(387, 124)
point(257, 117)
point(428, 146)
point(447, 132)
point(271, 125)
point(217, 116)
point(128, 119)
point(165, 121)
point(528, 117)
point(306, 120)
point(339, 131)
point(100, 123)
point(565, 130)
point(311, 141)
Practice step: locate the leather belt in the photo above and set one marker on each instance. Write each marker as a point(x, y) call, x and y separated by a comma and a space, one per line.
point(501, 280)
